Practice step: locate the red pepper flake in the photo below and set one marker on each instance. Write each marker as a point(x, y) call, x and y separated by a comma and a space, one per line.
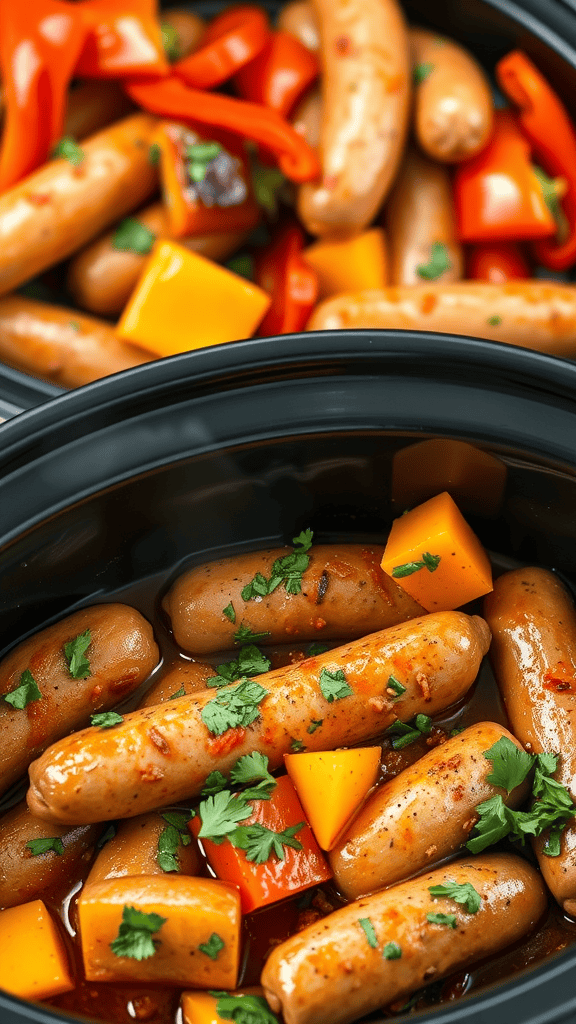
point(343, 46)
point(560, 679)
point(39, 198)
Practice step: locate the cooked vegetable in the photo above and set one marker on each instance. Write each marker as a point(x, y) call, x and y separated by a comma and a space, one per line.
point(497, 262)
point(351, 264)
point(281, 270)
point(279, 75)
point(33, 960)
point(230, 41)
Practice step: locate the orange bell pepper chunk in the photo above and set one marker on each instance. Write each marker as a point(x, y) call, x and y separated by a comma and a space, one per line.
point(436, 557)
point(33, 959)
point(351, 264)
point(184, 301)
point(202, 1007)
point(124, 38)
point(230, 41)
point(275, 879)
point(331, 786)
point(221, 200)
point(280, 74)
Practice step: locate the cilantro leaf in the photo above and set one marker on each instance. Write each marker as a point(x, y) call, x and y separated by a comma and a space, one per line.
point(259, 842)
point(304, 540)
point(461, 893)
point(438, 263)
point(392, 951)
point(78, 665)
point(106, 719)
point(213, 946)
point(430, 562)
point(494, 321)
point(215, 783)
point(420, 72)
point(229, 612)
point(170, 41)
point(494, 823)
point(69, 150)
point(245, 633)
point(133, 236)
point(314, 724)
point(179, 819)
point(179, 693)
point(251, 768)
point(168, 842)
point(220, 815)
point(232, 708)
point(317, 648)
point(448, 919)
point(395, 686)
point(242, 264)
point(404, 734)
point(154, 154)
point(244, 1009)
point(269, 185)
point(106, 836)
point(23, 694)
point(368, 929)
point(510, 766)
point(250, 662)
point(134, 938)
point(333, 685)
point(288, 570)
point(297, 746)
point(39, 846)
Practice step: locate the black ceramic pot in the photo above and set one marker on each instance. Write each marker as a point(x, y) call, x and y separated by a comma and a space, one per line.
point(240, 446)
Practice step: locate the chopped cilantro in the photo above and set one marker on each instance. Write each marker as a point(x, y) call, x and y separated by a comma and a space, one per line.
point(175, 834)
point(106, 836)
point(448, 919)
point(229, 612)
point(438, 263)
point(39, 846)
point(430, 562)
point(334, 685)
point(170, 41)
point(260, 842)
point(421, 72)
point(368, 929)
point(213, 946)
point(106, 719)
point(314, 724)
point(243, 265)
point(215, 783)
point(317, 648)
point(134, 938)
point(297, 746)
point(220, 815)
point(510, 764)
point(250, 662)
point(133, 236)
point(287, 570)
point(23, 694)
point(392, 951)
point(154, 153)
point(232, 708)
point(404, 734)
point(75, 650)
point(243, 1009)
point(494, 321)
point(245, 633)
point(179, 693)
point(252, 768)
point(396, 686)
point(461, 893)
point(69, 150)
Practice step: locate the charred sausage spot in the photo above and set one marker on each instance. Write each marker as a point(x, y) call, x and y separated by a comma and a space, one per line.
point(322, 587)
point(159, 741)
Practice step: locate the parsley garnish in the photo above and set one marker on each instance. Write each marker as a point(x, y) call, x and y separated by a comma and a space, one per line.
point(154, 153)
point(448, 919)
point(69, 150)
point(243, 1009)
point(215, 783)
point(314, 724)
point(232, 708)
point(252, 768)
point(78, 665)
point(269, 186)
point(213, 946)
point(404, 734)
point(170, 41)
point(106, 836)
point(175, 833)
point(26, 691)
point(438, 263)
point(297, 746)
point(106, 719)
point(179, 693)
point(199, 156)
point(245, 633)
point(392, 951)
point(317, 648)
point(396, 686)
point(334, 685)
point(430, 562)
point(39, 846)
point(420, 72)
point(250, 662)
point(288, 570)
point(135, 934)
point(243, 265)
point(220, 815)
point(494, 321)
point(229, 612)
point(368, 929)
point(259, 842)
point(510, 764)
point(465, 893)
point(133, 236)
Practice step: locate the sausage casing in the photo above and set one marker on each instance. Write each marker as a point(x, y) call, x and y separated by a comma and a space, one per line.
point(344, 595)
point(133, 850)
point(164, 754)
point(421, 816)
point(330, 974)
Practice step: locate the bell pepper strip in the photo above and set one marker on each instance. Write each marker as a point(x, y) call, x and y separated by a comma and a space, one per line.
point(281, 270)
point(301, 867)
point(39, 47)
point(497, 194)
point(123, 38)
point(230, 41)
point(206, 181)
point(280, 75)
point(172, 98)
point(545, 122)
point(497, 262)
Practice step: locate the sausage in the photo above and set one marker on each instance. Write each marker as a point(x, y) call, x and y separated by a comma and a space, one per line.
point(418, 214)
point(93, 105)
point(366, 94)
point(422, 816)
point(307, 117)
point(88, 777)
point(60, 345)
point(60, 207)
point(533, 314)
point(189, 28)
point(190, 676)
point(330, 974)
point(101, 278)
point(299, 20)
point(453, 109)
point(24, 877)
point(133, 850)
point(122, 653)
point(534, 660)
point(345, 594)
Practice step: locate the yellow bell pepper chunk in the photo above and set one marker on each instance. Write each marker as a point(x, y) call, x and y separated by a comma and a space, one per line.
point(350, 265)
point(33, 960)
point(331, 786)
point(184, 301)
point(436, 557)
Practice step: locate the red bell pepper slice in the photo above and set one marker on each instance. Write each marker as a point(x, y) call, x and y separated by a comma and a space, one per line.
point(230, 41)
point(279, 75)
point(293, 284)
point(497, 262)
point(124, 38)
point(545, 122)
point(173, 99)
point(40, 42)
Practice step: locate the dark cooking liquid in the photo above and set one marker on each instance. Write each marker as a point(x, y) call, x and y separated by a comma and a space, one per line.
point(124, 1004)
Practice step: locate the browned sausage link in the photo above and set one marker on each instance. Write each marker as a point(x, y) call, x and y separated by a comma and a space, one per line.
point(534, 314)
point(366, 92)
point(25, 877)
point(122, 653)
point(307, 118)
point(422, 816)
point(189, 676)
point(330, 974)
point(94, 105)
point(61, 345)
point(189, 29)
point(299, 20)
point(534, 659)
point(60, 207)
point(344, 595)
point(164, 754)
point(101, 277)
point(133, 850)
point(453, 109)
point(420, 214)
